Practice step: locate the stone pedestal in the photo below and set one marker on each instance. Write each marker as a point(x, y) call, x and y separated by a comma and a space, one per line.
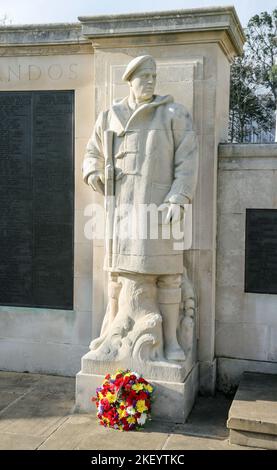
point(173, 400)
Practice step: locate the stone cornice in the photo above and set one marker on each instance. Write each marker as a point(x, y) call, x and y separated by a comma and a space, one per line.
point(41, 34)
point(223, 19)
point(231, 151)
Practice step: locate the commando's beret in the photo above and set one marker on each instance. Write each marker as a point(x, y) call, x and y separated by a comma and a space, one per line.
point(135, 63)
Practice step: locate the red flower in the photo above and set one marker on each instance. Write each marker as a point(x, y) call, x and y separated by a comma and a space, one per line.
point(142, 381)
point(129, 401)
point(118, 383)
point(105, 404)
point(142, 396)
point(128, 386)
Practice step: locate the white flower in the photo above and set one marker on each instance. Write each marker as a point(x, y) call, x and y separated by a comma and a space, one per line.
point(130, 410)
point(142, 419)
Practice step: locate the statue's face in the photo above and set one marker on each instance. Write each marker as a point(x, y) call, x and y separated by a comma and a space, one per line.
point(143, 82)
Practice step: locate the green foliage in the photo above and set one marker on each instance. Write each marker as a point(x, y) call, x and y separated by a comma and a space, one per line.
point(261, 48)
point(254, 80)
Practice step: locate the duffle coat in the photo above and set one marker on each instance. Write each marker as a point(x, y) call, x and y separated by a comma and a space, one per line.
point(155, 156)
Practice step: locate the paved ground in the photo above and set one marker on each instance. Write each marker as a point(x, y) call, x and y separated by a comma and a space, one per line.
point(36, 412)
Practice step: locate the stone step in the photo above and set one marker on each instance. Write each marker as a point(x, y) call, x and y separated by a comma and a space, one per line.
point(252, 417)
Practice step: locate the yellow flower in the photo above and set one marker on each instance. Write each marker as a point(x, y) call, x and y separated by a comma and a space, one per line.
point(137, 387)
point(121, 413)
point(100, 395)
point(141, 407)
point(131, 419)
point(111, 397)
point(148, 388)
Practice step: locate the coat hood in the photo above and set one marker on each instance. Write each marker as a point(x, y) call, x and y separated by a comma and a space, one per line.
point(121, 109)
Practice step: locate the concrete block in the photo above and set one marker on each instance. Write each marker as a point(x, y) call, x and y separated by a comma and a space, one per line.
point(261, 418)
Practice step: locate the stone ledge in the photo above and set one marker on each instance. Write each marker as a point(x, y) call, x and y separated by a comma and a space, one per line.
point(254, 408)
point(247, 150)
point(175, 372)
point(41, 34)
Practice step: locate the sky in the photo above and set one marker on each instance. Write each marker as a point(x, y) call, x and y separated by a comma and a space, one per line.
point(56, 11)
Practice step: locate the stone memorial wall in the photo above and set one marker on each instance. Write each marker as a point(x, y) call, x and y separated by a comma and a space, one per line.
point(82, 64)
point(246, 303)
point(46, 77)
point(37, 201)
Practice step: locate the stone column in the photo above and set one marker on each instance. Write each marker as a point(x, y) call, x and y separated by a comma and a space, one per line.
point(193, 50)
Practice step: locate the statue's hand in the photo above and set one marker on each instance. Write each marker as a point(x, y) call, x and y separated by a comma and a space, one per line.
point(96, 181)
point(172, 213)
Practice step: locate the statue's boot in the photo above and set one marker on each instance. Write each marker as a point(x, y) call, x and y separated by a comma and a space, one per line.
point(170, 314)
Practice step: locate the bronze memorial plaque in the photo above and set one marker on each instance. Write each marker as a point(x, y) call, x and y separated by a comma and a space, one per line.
point(261, 251)
point(36, 198)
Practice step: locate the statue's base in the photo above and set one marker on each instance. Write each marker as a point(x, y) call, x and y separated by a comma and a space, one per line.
point(173, 400)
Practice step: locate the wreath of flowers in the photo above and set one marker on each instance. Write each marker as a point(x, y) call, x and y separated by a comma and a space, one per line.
point(124, 401)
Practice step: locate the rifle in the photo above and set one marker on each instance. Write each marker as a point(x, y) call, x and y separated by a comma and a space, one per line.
point(109, 194)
